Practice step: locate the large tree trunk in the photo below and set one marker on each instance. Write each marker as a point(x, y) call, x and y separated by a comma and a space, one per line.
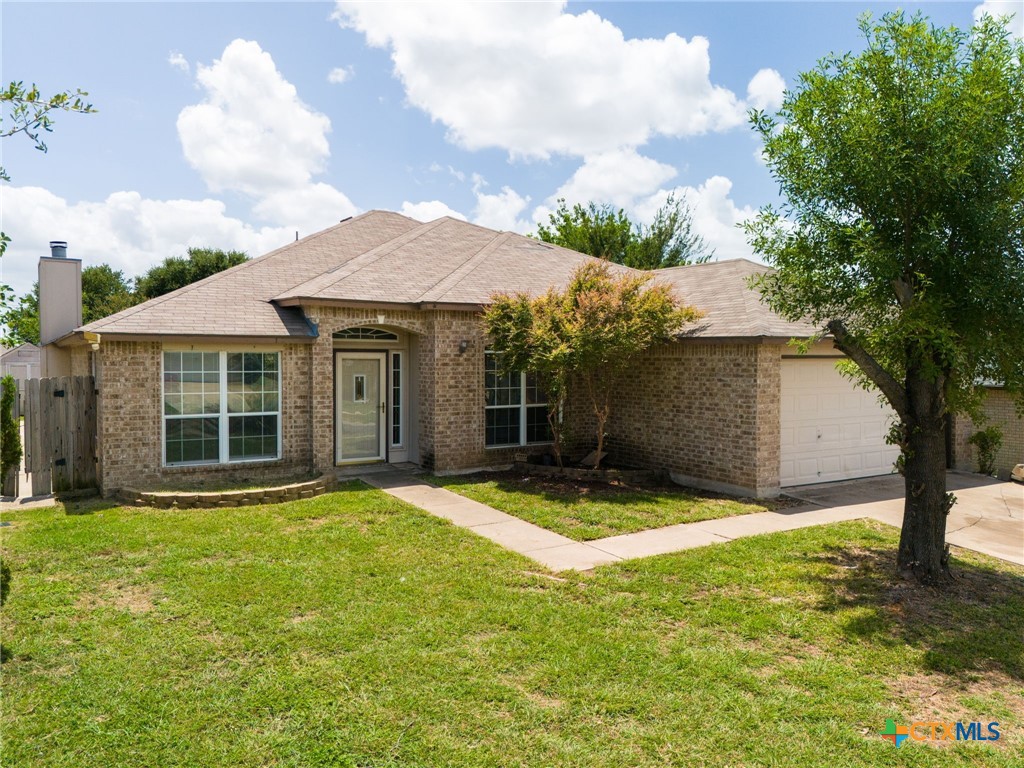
point(922, 549)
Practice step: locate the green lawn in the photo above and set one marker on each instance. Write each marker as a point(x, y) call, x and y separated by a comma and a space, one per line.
point(352, 630)
point(588, 511)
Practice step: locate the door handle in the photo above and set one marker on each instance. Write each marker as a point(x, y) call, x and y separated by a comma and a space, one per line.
point(382, 407)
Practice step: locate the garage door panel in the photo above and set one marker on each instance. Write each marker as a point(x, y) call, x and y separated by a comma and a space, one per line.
point(807, 402)
point(807, 438)
point(830, 429)
point(829, 434)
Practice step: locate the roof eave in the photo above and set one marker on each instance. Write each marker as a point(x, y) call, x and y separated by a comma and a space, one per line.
point(319, 301)
point(77, 338)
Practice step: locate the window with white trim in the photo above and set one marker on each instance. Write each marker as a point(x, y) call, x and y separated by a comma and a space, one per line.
point(221, 407)
point(515, 406)
point(396, 398)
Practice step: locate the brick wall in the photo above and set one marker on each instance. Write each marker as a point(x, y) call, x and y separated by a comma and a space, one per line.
point(999, 409)
point(128, 414)
point(329, 320)
point(706, 412)
point(81, 361)
point(129, 417)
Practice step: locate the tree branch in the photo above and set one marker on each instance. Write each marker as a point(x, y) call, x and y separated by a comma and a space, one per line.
point(891, 388)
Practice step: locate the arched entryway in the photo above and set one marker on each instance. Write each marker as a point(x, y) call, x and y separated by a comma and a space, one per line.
point(375, 395)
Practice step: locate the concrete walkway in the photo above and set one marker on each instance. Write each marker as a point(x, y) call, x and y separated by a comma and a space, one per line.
point(989, 518)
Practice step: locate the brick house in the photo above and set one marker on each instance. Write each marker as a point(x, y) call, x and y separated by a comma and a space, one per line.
point(363, 343)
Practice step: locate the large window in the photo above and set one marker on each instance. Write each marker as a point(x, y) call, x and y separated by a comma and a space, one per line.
point(515, 407)
point(221, 407)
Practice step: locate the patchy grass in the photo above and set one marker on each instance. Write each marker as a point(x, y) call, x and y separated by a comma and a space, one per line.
point(353, 630)
point(214, 484)
point(588, 511)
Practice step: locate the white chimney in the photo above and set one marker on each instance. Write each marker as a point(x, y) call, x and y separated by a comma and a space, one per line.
point(60, 306)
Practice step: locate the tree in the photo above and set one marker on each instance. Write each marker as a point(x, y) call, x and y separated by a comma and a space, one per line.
point(104, 292)
point(531, 336)
point(901, 233)
point(178, 271)
point(590, 334)
point(602, 231)
point(21, 321)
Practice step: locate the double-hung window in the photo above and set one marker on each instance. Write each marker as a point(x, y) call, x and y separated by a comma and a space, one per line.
point(221, 407)
point(516, 409)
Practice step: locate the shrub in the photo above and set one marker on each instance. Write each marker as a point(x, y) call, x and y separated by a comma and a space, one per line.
point(5, 582)
point(987, 441)
point(10, 436)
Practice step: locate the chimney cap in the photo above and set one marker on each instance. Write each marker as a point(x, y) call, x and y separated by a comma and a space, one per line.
point(59, 249)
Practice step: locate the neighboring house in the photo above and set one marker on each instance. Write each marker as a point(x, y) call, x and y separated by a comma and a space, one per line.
point(363, 343)
point(21, 362)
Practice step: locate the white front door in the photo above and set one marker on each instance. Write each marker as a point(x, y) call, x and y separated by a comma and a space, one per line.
point(360, 406)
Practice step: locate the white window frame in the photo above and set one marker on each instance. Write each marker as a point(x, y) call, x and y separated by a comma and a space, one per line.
point(523, 409)
point(222, 416)
point(394, 379)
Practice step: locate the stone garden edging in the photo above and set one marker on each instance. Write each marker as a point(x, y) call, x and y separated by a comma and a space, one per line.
point(278, 494)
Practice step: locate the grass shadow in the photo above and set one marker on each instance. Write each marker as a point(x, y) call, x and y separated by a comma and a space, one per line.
point(89, 505)
point(973, 626)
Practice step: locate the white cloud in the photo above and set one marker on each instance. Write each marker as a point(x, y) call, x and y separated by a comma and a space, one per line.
point(252, 134)
point(178, 61)
point(715, 215)
point(534, 80)
point(309, 208)
point(125, 230)
point(618, 177)
point(765, 90)
point(340, 75)
point(429, 210)
point(1012, 8)
point(499, 211)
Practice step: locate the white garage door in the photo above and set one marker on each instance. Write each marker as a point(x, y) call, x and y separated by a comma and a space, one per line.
point(831, 430)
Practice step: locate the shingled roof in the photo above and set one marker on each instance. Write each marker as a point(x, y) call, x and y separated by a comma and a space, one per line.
point(237, 301)
point(383, 258)
point(447, 262)
point(731, 309)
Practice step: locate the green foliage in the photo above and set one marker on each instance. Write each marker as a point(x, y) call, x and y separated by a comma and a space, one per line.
point(10, 435)
point(176, 271)
point(21, 320)
point(602, 231)
point(988, 441)
point(104, 292)
point(589, 333)
point(902, 232)
point(904, 186)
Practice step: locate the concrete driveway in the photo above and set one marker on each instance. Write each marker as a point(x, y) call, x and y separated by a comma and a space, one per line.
point(988, 516)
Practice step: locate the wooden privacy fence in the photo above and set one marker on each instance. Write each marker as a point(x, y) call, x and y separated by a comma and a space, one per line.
point(60, 434)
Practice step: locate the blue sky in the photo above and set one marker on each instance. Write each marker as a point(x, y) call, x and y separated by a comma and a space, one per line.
point(222, 125)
